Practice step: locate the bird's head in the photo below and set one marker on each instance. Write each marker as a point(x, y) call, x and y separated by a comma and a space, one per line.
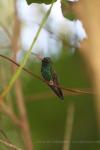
point(46, 60)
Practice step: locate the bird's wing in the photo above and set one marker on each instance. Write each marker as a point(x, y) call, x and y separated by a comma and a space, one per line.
point(55, 87)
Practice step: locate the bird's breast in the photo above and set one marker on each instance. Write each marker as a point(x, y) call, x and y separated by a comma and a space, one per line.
point(46, 73)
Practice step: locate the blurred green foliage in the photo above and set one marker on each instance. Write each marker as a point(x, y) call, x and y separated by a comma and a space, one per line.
point(47, 115)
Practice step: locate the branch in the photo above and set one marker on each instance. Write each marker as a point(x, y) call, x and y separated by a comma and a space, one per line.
point(46, 94)
point(72, 91)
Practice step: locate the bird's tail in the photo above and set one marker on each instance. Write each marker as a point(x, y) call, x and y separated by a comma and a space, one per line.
point(57, 91)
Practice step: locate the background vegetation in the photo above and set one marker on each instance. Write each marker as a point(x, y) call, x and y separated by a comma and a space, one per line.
point(53, 125)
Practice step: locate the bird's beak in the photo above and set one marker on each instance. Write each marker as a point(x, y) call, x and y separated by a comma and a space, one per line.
point(38, 56)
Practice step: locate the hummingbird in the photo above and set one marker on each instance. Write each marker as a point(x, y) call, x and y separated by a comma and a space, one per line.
point(49, 74)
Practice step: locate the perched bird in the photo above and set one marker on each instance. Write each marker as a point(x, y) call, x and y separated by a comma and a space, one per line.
point(50, 75)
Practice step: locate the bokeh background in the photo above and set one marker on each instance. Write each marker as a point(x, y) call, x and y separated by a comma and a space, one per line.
point(53, 123)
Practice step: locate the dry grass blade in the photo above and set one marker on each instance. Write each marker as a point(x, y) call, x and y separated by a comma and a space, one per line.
point(9, 145)
point(4, 135)
point(5, 109)
point(69, 126)
point(6, 31)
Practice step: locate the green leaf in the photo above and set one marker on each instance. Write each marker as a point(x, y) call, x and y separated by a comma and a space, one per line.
point(40, 1)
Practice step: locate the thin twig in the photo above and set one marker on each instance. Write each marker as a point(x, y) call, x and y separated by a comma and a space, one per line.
point(9, 145)
point(74, 91)
point(48, 94)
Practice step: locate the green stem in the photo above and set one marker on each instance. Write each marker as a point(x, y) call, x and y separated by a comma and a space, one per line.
point(18, 72)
